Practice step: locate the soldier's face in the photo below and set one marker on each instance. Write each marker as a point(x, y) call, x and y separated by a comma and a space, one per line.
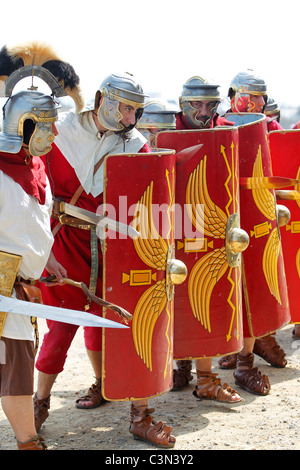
point(257, 103)
point(204, 109)
point(128, 114)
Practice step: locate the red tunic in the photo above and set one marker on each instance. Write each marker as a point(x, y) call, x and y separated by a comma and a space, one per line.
point(273, 125)
point(30, 176)
point(72, 245)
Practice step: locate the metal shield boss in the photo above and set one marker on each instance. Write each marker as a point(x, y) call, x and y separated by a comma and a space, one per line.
point(285, 155)
point(140, 188)
point(208, 305)
point(266, 305)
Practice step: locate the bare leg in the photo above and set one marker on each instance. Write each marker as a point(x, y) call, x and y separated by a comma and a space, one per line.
point(204, 364)
point(96, 360)
point(19, 412)
point(45, 384)
point(247, 347)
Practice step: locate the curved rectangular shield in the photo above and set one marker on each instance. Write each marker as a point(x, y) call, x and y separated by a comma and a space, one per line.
point(285, 155)
point(266, 305)
point(208, 305)
point(139, 190)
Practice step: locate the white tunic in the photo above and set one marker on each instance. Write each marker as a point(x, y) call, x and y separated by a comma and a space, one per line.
point(80, 143)
point(24, 230)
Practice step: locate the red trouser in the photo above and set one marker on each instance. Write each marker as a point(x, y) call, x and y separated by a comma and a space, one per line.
point(56, 343)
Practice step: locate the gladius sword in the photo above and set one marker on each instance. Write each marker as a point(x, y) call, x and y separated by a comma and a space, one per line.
point(64, 315)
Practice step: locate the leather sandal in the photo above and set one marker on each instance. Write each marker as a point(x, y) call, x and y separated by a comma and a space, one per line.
point(41, 412)
point(268, 349)
point(209, 388)
point(144, 428)
point(249, 377)
point(36, 443)
point(182, 375)
point(228, 362)
point(93, 396)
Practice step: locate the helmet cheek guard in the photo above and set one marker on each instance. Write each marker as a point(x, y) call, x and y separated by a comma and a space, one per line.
point(242, 86)
point(41, 139)
point(240, 103)
point(28, 106)
point(115, 89)
point(198, 89)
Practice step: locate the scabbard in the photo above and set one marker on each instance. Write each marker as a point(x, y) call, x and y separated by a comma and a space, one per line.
point(66, 219)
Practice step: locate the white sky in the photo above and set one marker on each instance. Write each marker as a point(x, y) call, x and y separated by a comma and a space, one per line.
point(165, 42)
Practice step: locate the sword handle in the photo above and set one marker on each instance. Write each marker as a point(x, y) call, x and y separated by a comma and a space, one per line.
point(66, 280)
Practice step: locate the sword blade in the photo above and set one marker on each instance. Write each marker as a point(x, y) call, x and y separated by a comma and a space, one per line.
point(102, 220)
point(64, 315)
point(187, 153)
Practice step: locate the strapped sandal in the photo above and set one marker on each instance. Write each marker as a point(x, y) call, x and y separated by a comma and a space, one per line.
point(41, 413)
point(250, 378)
point(94, 396)
point(228, 362)
point(36, 443)
point(209, 388)
point(182, 375)
point(144, 428)
point(268, 349)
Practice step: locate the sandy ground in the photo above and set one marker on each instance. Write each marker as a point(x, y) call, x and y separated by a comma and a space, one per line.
point(259, 423)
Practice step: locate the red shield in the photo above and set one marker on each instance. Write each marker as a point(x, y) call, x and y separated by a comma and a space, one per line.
point(137, 362)
point(208, 311)
point(285, 154)
point(264, 281)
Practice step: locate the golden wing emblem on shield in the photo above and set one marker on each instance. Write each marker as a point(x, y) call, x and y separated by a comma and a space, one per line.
point(212, 221)
point(146, 313)
point(150, 246)
point(265, 202)
point(203, 278)
point(153, 250)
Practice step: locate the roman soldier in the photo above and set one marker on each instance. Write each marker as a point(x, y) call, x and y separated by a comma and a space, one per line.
point(198, 102)
point(272, 111)
point(156, 117)
point(26, 240)
point(76, 167)
point(248, 94)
